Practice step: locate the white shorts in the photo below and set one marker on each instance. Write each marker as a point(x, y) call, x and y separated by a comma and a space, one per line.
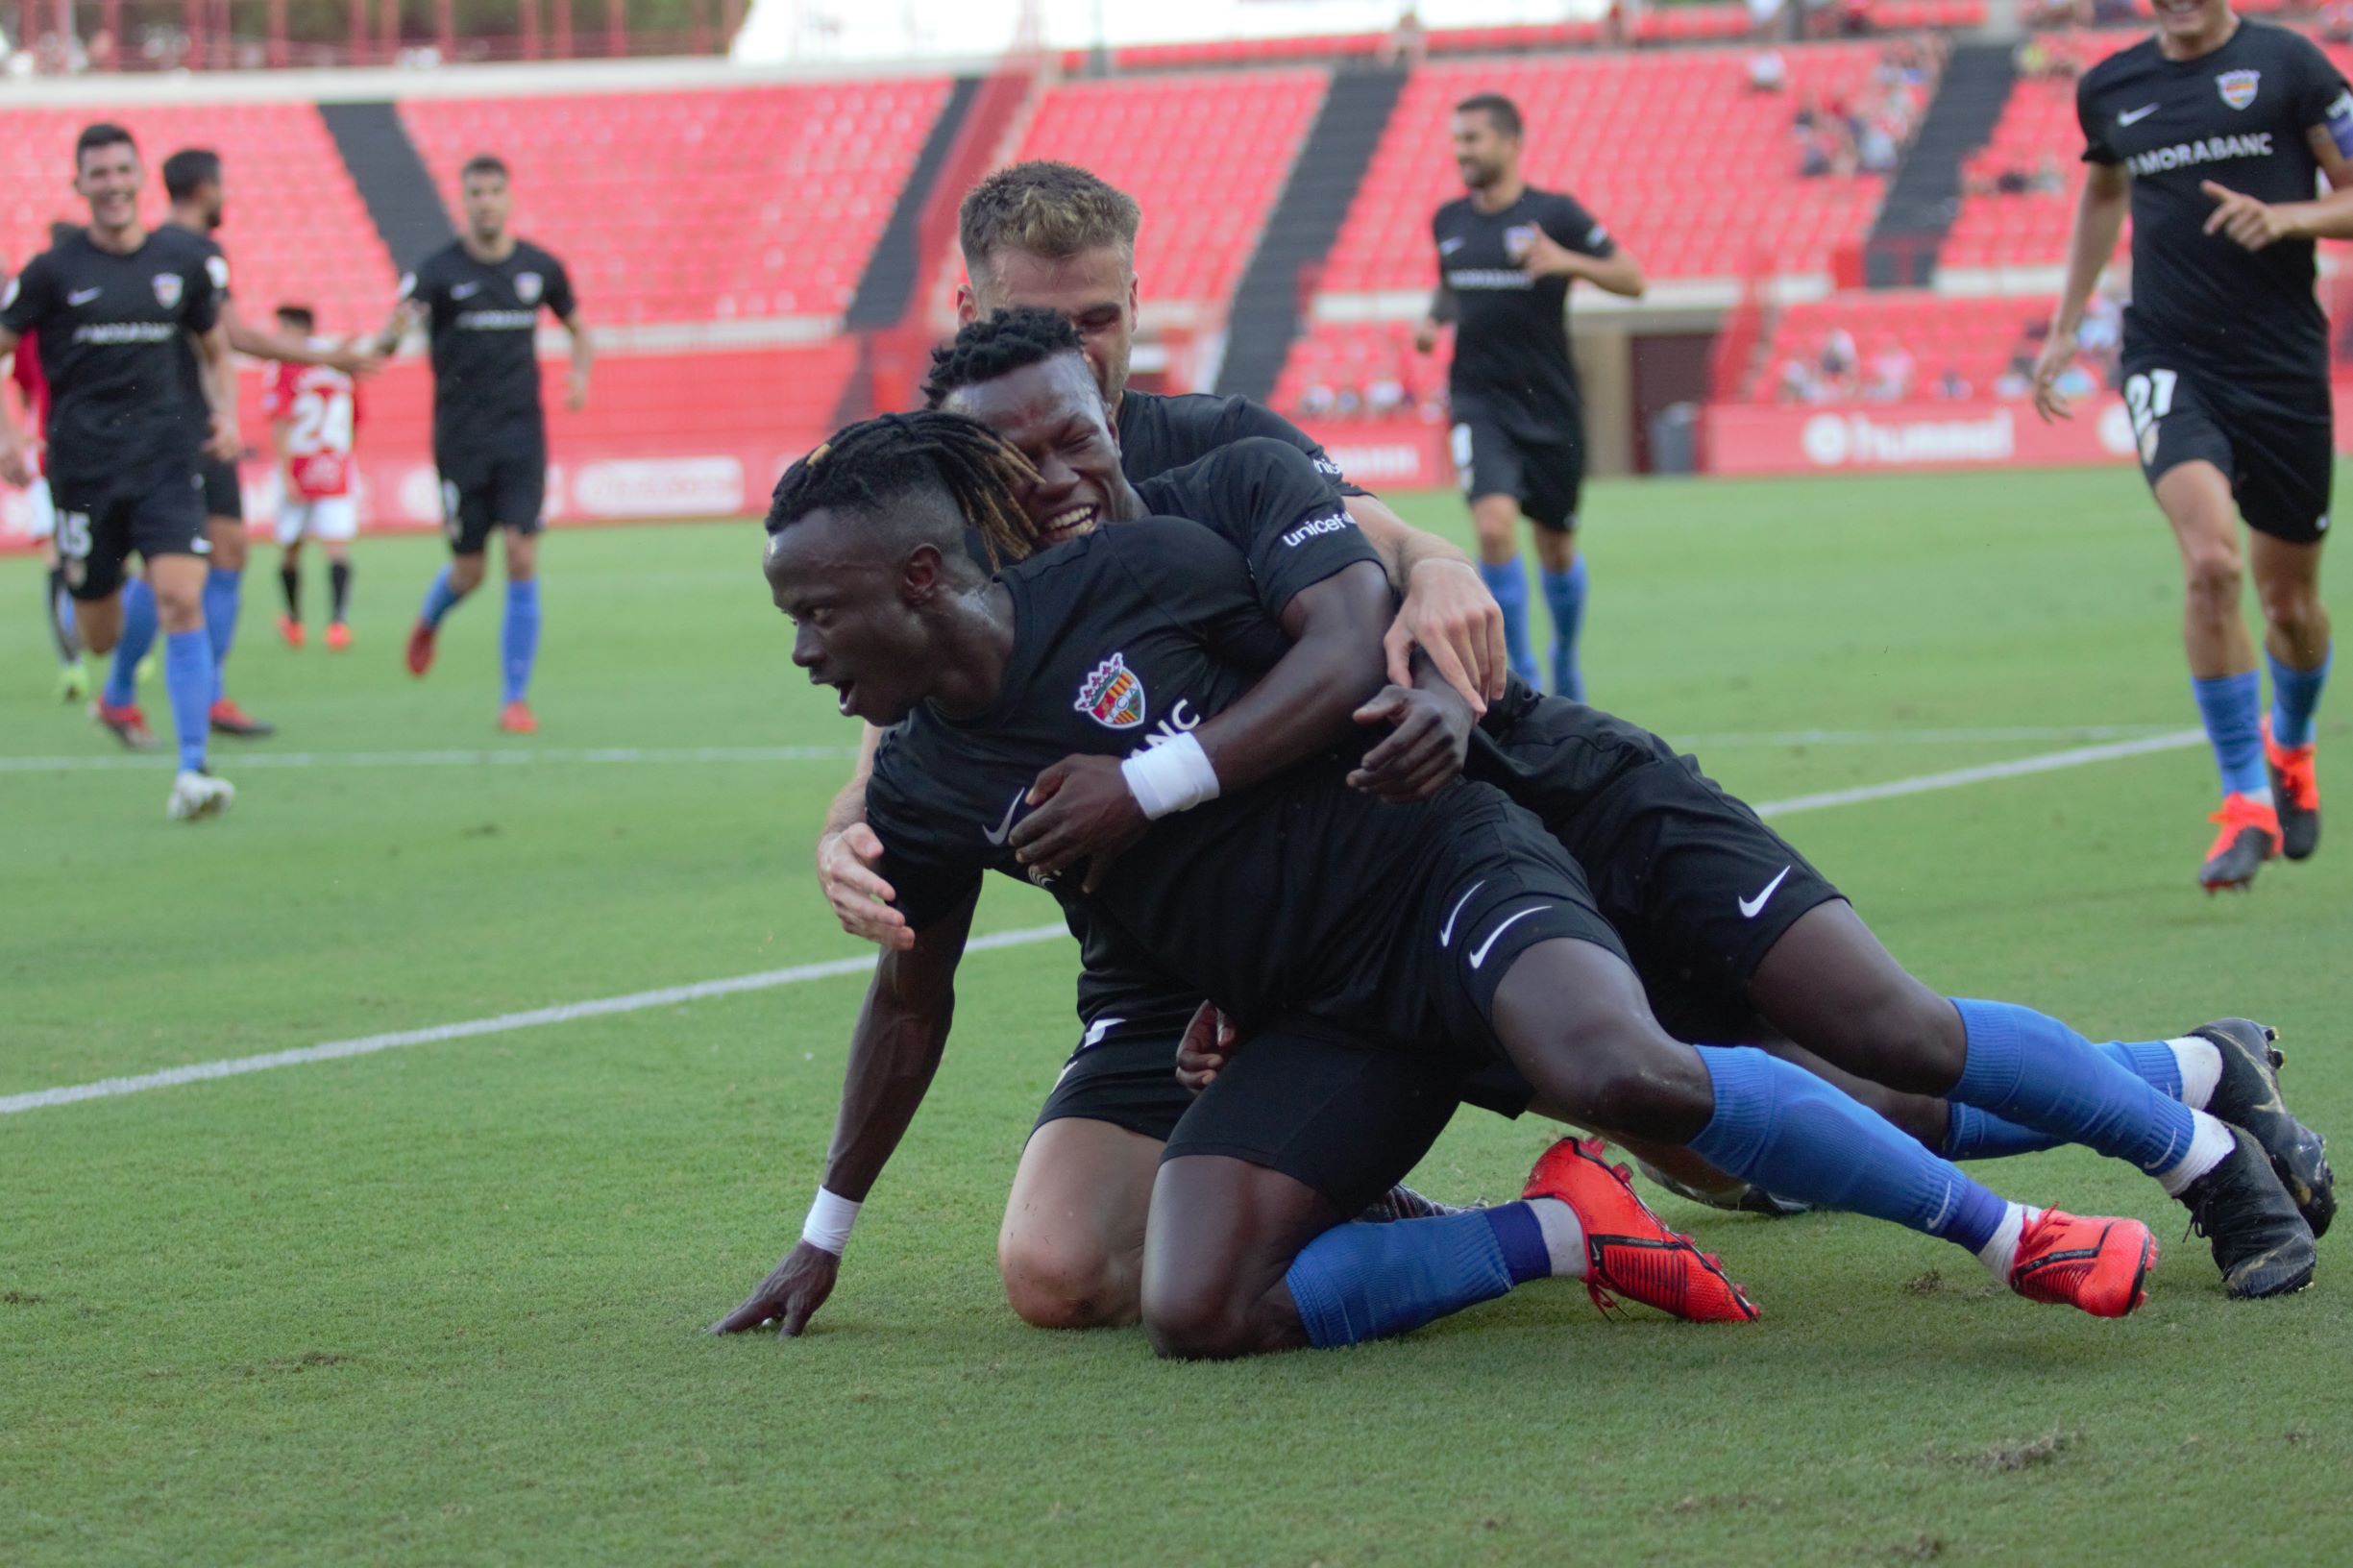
point(41, 509)
point(322, 517)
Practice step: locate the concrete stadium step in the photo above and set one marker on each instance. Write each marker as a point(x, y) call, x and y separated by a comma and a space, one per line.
point(408, 212)
point(1920, 204)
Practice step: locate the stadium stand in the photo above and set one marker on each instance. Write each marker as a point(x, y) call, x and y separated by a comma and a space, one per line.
point(698, 205)
point(1362, 370)
point(296, 227)
point(1206, 152)
point(1903, 342)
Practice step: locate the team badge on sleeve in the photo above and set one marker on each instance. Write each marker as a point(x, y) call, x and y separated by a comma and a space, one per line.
point(2237, 87)
point(2340, 118)
point(528, 285)
point(216, 268)
point(167, 290)
point(1112, 696)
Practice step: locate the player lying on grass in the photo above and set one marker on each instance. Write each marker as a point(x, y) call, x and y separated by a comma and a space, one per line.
point(1735, 936)
point(1452, 932)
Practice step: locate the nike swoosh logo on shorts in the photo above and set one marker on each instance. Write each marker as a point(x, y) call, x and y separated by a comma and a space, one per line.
point(1446, 932)
point(1749, 907)
point(996, 835)
point(84, 296)
point(1478, 955)
point(2136, 116)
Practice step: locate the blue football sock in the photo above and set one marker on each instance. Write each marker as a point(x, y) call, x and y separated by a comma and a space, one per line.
point(1971, 1134)
point(1781, 1128)
point(187, 676)
point(2030, 1068)
point(2295, 695)
point(1509, 583)
point(1356, 1283)
point(223, 589)
point(1564, 593)
point(138, 636)
point(2233, 707)
point(439, 599)
point(519, 637)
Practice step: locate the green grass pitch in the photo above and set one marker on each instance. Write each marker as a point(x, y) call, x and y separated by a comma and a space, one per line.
point(443, 1304)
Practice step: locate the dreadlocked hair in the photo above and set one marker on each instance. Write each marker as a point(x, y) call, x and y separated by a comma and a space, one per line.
point(868, 465)
point(1007, 341)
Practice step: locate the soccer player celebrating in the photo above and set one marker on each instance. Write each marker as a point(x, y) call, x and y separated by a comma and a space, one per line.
point(111, 305)
point(478, 299)
point(314, 410)
point(193, 178)
point(1507, 254)
point(2212, 134)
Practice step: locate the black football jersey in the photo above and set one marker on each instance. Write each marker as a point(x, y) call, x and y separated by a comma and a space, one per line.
point(1159, 432)
point(483, 319)
point(1512, 360)
point(1281, 898)
point(1271, 504)
point(2240, 118)
point(111, 332)
point(216, 262)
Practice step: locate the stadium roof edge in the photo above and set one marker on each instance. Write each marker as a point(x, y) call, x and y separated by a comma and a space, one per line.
point(500, 81)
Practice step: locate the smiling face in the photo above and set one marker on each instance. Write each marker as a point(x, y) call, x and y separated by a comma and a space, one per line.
point(1484, 155)
point(1094, 290)
point(855, 601)
point(487, 203)
point(2193, 22)
point(108, 178)
point(1052, 414)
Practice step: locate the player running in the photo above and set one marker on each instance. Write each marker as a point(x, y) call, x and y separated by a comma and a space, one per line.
point(315, 413)
point(111, 305)
point(478, 300)
point(1452, 932)
point(2212, 133)
point(1735, 936)
point(1507, 254)
point(193, 178)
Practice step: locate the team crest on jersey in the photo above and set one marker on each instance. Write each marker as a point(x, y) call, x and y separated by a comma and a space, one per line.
point(1112, 696)
point(167, 290)
point(2237, 87)
point(528, 285)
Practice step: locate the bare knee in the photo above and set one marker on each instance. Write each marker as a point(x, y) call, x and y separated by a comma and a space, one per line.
point(1063, 1285)
point(2293, 609)
point(1196, 1320)
point(2214, 577)
point(465, 573)
point(229, 541)
point(1630, 1079)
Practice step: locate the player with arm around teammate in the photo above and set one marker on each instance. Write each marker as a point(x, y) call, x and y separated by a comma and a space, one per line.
point(2212, 134)
point(478, 299)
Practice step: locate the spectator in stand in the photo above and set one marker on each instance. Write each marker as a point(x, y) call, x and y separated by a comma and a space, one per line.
point(1768, 71)
point(1764, 18)
point(1408, 42)
point(1875, 150)
point(1839, 360)
point(1891, 375)
point(1799, 383)
point(2048, 180)
point(1810, 115)
point(1951, 385)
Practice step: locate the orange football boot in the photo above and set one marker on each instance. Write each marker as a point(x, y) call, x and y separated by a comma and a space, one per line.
point(2100, 1265)
point(2296, 789)
point(291, 630)
point(2249, 837)
point(338, 636)
point(515, 719)
point(420, 649)
point(1629, 1250)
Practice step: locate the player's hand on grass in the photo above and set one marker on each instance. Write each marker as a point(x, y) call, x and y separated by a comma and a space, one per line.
point(861, 900)
point(1082, 810)
point(1449, 615)
point(790, 1296)
point(1207, 1041)
point(2058, 353)
point(1429, 733)
point(2249, 223)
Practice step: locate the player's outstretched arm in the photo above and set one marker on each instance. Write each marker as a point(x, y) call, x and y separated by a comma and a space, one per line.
point(847, 851)
point(269, 343)
point(1447, 610)
point(583, 356)
point(2099, 219)
point(893, 1053)
point(220, 383)
point(2256, 225)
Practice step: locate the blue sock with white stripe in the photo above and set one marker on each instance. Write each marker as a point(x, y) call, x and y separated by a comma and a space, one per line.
point(2233, 709)
point(223, 590)
point(2030, 1068)
point(1356, 1283)
point(1509, 583)
point(519, 638)
point(138, 636)
point(439, 599)
point(1971, 1134)
point(1564, 594)
point(2296, 693)
point(187, 676)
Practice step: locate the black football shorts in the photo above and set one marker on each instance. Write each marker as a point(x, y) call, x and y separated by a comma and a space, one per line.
point(224, 496)
point(1545, 477)
point(503, 487)
point(2275, 442)
point(100, 522)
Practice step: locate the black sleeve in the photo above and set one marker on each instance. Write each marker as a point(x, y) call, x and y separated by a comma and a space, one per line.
point(206, 286)
point(2096, 148)
point(919, 860)
point(558, 294)
point(1245, 418)
point(31, 295)
point(1202, 584)
point(1294, 529)
point(2321, 99)
point(1568, 222)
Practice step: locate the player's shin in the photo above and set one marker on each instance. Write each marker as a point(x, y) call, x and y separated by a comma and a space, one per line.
point(2180, 1070)
point(2296, 696)
point(187, 677)
point(2232, 708)
point(1509, 583)
point(440, 598)
point(339, 591)
point(1356, 1283)
point(138, 636)
point(224, 590)
point(519, 638)
point(1564, 595)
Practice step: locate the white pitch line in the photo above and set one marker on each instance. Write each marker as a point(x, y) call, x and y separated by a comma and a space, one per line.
point(506, 758)
point(670, 995)
point(1918, 737)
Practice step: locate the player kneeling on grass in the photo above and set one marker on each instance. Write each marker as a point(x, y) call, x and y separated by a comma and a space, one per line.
point(314, 412)
point(1451, 935)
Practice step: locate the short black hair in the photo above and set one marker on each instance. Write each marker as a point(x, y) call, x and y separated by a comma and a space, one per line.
point(868, 465)
point(101, 133)
point(484, 164)
point(189, 170)
point(298, 313)
point(1498, 109)
point(1006, 341)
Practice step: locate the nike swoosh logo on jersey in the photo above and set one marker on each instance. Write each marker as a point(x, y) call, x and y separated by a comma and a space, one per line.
point(996, 835)
point(1478, 955)
point(83, 296)
point(1448, 247)
point(1750, 906)
point(1446, 932)
point(464, 291)
point(2134, 116)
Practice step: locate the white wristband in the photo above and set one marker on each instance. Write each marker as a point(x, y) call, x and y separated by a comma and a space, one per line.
point(1174, 775)
point(830, 1217)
